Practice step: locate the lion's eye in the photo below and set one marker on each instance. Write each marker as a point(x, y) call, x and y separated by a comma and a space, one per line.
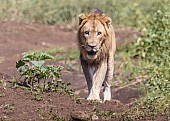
point(99, 33)
point(86, 32)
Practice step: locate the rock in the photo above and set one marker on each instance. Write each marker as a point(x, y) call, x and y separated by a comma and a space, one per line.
point(94, 117)
point(80, 116)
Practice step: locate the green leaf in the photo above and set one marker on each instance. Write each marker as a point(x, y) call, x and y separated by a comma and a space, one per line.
point(38, 63)
point(20, 63)
point(28, 56)
point(36, 56)
point(45, 56)
point(22, 70)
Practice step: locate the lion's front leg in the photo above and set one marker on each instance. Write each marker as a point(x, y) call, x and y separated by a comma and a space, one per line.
point(109, 78)
point(86, 72)
point(98, 75)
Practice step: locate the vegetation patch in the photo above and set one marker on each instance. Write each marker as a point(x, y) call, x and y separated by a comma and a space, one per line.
point(153, 48)
point(33, 70)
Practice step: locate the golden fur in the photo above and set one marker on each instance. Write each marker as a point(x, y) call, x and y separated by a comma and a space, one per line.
point(96, 42)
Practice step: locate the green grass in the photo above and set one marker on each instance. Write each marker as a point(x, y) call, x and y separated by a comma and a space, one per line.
point(133, 13)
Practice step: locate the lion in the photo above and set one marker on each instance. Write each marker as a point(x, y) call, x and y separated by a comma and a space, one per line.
point(97, 46)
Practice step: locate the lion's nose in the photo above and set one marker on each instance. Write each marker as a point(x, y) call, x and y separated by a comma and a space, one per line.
point(91, 45)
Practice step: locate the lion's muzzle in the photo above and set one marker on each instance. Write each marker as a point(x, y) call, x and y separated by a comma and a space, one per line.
point(91, 49)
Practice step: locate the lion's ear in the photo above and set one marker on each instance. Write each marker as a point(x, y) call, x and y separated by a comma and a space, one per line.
point(82, 16)
point(108, 21)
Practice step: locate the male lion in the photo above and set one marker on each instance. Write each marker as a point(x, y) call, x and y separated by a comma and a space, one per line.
point(97, 45)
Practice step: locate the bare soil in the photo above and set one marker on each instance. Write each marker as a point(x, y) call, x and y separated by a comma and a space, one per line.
point(17, 104)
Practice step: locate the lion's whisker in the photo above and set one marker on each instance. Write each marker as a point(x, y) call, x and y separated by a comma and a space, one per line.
point(82, 45)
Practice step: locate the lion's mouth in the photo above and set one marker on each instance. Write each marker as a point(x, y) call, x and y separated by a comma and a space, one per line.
point(92, 53)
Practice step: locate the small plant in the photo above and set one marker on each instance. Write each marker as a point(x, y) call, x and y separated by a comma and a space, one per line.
point(2, 88)
point(7, 108)
point(3, 84)
point(2, 94)
point(33, 69)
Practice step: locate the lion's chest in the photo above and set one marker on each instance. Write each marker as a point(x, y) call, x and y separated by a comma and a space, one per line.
point(92, 70)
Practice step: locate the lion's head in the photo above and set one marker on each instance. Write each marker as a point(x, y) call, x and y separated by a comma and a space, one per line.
point(93, 35)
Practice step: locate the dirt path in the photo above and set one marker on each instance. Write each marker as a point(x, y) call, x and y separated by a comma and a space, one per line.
point(16, 38)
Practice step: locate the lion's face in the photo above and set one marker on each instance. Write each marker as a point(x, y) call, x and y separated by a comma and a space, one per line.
point(93, 31)
point(93, 34)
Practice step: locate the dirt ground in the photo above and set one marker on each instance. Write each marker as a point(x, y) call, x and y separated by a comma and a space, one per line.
point(20, 105)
